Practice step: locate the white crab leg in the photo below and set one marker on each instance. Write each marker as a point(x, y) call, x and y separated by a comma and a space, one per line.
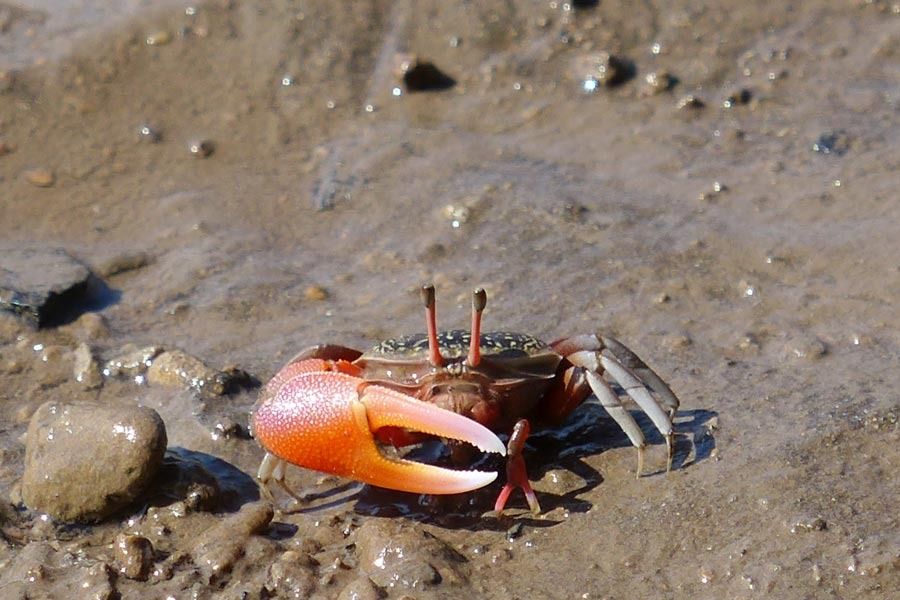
point(596, 363)
point(272, 469)
point(631, 360)
point(611, 403)
point(638, 392)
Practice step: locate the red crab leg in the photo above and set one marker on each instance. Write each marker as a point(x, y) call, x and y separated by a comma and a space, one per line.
point(516, 474)
point(325, 421)
point(479, 301)
point(434, 352)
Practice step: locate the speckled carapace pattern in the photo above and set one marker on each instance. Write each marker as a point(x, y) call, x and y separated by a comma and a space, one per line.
point(454, 344)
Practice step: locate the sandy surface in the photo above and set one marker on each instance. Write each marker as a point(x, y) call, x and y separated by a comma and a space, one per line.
point(747, 249)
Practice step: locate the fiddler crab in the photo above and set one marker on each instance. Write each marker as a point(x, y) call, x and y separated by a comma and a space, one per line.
point(330, 407)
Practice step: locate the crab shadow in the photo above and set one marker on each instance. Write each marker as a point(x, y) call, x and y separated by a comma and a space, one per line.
point(556, 460)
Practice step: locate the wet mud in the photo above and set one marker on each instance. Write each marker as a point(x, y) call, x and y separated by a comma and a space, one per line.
point(711, 182)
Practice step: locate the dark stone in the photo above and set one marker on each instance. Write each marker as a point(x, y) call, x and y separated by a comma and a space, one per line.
point(832, 142)
point(691, 102)
point(741, 96)
point(44, 286)
point(618, 70)
point(425, 77)
point(601, 68)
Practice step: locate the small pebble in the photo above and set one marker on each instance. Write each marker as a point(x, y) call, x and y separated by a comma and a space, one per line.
point(40, 177)
point(457, 215)
point(86, 370)
point(134, 556)
point(315, 293)
point(124, 262)
point(690, 102)
point(559, 482)
point(158, 38)
point(202, 148)
point(175, 368)
point(658, 82)
point(601, 68)
point(131, 361)
point(749, 342)
point(807, 348)
point(422, 76)
point(741, 96)
point(805, 524)
point(149, 133)
point(677, 341)
point(832, 142)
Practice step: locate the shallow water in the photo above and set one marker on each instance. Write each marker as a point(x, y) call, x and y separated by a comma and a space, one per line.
point(755, 273)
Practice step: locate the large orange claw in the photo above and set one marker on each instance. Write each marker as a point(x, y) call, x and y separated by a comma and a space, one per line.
point(325, 421)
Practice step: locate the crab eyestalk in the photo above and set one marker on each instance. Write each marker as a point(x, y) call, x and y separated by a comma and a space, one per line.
point(479, 301)
point(434, 352)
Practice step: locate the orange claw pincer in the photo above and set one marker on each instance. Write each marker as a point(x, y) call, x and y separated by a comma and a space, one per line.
point(319, 415)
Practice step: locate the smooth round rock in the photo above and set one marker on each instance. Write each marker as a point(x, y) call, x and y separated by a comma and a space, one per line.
point(85, 461)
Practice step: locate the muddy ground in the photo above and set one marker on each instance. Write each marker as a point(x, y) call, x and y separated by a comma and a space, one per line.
point(733, 219)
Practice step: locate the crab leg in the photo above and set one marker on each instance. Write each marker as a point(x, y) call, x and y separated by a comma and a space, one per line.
point(272, 468)
point(325, 421)
point(516, 474)
point(611, 403)
point(599, 354)
point(633, 362)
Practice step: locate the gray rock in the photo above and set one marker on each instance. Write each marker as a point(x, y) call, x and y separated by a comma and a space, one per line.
point(85, 461)
point(41, 285)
